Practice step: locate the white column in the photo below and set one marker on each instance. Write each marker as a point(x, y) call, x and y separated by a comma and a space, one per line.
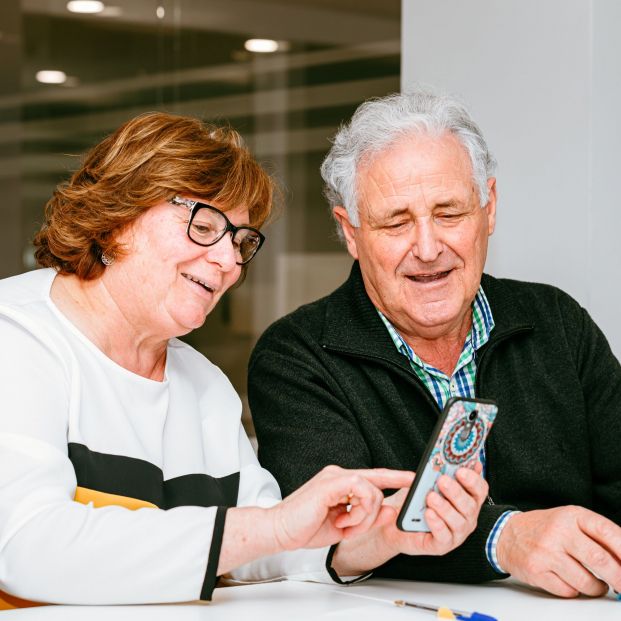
point(543, 80)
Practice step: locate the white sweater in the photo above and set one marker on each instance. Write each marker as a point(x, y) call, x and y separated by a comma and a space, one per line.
point(82, 439)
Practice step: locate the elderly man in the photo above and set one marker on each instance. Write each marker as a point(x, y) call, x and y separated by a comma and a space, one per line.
point(359, 378)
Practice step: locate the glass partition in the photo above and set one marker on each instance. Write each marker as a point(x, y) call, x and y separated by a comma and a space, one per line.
point(197, 57)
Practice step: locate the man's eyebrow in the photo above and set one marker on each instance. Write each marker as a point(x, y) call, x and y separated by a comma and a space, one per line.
point(448, 203)
point(376, 220)
point(395, 213)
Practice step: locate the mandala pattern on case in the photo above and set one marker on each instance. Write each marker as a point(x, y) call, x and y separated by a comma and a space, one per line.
point(457, 450)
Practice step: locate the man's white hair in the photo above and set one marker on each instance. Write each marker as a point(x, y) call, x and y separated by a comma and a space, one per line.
point(379, 123)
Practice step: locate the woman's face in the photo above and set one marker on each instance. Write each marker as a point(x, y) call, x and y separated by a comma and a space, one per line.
point(165, 281)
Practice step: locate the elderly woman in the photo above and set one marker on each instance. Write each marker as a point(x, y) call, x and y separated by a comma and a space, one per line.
point(121, 447)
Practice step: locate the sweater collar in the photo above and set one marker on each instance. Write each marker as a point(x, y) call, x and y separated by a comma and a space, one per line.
point(352, 324)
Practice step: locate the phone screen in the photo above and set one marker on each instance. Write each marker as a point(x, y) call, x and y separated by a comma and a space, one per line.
point(456, 442)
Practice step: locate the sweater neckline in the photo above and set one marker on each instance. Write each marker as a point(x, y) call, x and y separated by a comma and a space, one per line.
point(98, 353)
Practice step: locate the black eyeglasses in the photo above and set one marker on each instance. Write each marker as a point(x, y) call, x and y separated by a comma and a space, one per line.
point(208, 225)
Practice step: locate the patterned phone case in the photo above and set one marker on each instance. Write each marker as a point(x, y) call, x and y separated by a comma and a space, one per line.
point(456, 442)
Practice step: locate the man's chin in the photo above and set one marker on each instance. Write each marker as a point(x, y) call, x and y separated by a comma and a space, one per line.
point(436, 318)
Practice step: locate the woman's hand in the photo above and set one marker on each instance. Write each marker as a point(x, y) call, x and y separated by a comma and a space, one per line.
point(451, 517)
point(313, 516)
point(316, 514)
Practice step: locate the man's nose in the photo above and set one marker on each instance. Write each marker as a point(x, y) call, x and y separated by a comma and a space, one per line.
point(427, 244)
point(223, 252)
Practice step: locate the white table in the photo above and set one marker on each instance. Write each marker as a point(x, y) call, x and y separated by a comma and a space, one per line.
point(294, 601)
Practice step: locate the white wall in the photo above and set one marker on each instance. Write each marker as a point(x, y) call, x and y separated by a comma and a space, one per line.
point(543, 80)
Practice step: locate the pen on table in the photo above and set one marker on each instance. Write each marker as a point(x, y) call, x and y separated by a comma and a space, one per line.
point(446, 613)
point(441, 612)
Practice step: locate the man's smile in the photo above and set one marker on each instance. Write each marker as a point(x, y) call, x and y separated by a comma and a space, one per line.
point(429, 276)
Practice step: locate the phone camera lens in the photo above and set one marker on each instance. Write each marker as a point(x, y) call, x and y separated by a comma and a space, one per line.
point(472, 415)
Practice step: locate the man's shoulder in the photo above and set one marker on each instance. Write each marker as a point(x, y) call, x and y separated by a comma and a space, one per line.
point(527, 291)
point(533, 302)
point(311, 324)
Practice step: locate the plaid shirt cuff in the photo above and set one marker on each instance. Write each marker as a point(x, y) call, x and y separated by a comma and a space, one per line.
point(492, 540)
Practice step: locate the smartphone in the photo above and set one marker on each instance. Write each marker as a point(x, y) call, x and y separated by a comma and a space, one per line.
point(456, 442)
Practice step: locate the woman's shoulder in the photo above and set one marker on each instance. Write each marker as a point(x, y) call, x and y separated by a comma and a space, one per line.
point(27, 323)
point(26, 288)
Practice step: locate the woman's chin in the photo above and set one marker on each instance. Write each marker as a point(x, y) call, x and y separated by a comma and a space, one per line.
point(188, 321)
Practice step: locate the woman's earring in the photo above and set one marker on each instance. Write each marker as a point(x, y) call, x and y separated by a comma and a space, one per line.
point(106, 260)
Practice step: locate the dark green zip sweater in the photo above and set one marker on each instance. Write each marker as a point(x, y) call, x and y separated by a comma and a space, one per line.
point(327, 386)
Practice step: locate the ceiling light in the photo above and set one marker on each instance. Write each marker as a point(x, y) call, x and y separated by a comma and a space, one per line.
point(262, 46)
point(111, 11)
point(85, 6)
point(51, 76)
point(160, 12)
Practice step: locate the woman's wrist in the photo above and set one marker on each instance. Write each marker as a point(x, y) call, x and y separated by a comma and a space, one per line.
point(279, 537)
point(249, 533)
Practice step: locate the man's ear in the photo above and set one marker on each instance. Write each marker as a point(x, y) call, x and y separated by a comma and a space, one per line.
point(491, 205)
point(340, 213)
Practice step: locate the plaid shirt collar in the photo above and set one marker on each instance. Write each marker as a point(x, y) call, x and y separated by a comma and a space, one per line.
point(482, 325)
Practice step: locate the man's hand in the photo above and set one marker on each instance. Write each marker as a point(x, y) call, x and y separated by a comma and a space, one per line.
point(566, 550)
point(451, 517)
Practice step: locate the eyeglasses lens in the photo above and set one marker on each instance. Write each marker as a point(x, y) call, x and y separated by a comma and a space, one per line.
point(246, 244)
point(209, 225)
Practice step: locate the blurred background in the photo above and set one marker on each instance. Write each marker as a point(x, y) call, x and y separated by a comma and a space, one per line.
point(284, 73)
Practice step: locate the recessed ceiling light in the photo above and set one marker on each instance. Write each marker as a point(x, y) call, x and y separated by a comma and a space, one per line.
point(85, 6)
point(160, 12)
point(111, 11)
point(51, 76)
point(262, 46)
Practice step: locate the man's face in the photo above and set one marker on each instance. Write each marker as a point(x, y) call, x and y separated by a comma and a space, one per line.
point(422, 239)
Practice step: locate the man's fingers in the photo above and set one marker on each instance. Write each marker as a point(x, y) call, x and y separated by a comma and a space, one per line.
point(397, 499)
point(557, 586)
point(473, 483)
point(458, 497)
point(604, 560)
point(578, 578)
point(386, 515)
point(440, 532)
point(598, 561)
point(447, 512)
point(602, 530)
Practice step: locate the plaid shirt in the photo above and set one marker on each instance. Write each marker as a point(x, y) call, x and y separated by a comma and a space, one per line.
point(460, 384)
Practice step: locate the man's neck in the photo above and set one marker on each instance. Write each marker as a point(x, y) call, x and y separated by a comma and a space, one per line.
point(441, 352)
